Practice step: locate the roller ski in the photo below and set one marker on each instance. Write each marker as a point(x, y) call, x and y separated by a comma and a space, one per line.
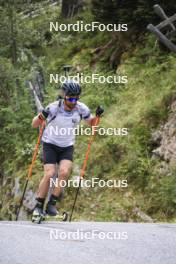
point(61, 217)
point(52, 212)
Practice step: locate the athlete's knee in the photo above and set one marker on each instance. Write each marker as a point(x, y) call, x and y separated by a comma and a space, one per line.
point(64, 172)
point(49, 173)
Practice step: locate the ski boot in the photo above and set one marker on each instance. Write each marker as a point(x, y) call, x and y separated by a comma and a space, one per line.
point(51, 208)
point(38, 214)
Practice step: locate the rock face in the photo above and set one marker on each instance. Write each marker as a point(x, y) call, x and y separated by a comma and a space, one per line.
point(165, 139)
point(143, 216)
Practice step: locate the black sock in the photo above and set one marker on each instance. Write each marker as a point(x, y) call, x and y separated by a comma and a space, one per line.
point(53, 199)
point(40, 202)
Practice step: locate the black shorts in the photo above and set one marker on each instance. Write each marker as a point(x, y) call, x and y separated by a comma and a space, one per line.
point(53, 154)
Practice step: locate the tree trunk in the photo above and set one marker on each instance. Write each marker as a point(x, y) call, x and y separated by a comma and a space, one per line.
point(65, 8)
point(70, 8)
point(13, 44)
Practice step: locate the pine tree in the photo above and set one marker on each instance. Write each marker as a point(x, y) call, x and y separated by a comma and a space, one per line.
point(104, 11)
point(70, 8)
point(136, 13)
point(8, 24)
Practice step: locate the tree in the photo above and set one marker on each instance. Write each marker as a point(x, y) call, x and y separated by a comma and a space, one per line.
point(104, 11)
point(8, 24)
point(70, 8)
point(136, 13)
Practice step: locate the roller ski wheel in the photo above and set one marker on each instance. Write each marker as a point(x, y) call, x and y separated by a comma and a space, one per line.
point(65, 216)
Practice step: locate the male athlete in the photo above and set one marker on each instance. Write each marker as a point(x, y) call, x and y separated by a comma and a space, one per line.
point(58, 147)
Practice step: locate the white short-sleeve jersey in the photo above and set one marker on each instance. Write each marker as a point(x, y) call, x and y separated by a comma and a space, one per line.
point(61, 130)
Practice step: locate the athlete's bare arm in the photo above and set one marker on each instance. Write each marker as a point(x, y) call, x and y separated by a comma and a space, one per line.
point(37, 121)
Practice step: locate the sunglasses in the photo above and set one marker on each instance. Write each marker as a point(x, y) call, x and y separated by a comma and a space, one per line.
point(72, 99)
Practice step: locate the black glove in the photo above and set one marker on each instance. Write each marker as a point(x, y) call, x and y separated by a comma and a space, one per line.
point(43, 115)
point(99, 111)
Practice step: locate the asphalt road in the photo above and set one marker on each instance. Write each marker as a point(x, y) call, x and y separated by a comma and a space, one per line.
point(87, 243)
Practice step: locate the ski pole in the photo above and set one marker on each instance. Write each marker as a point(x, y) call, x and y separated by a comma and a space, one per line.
point(29, 175)
point(97, 120)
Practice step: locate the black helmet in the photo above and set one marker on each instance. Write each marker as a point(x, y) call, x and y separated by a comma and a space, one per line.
point(71, 88)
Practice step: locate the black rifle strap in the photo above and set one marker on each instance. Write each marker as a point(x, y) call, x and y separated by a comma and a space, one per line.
point(58, 107)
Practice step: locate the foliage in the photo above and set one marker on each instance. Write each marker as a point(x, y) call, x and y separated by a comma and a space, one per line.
point(136, 13)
